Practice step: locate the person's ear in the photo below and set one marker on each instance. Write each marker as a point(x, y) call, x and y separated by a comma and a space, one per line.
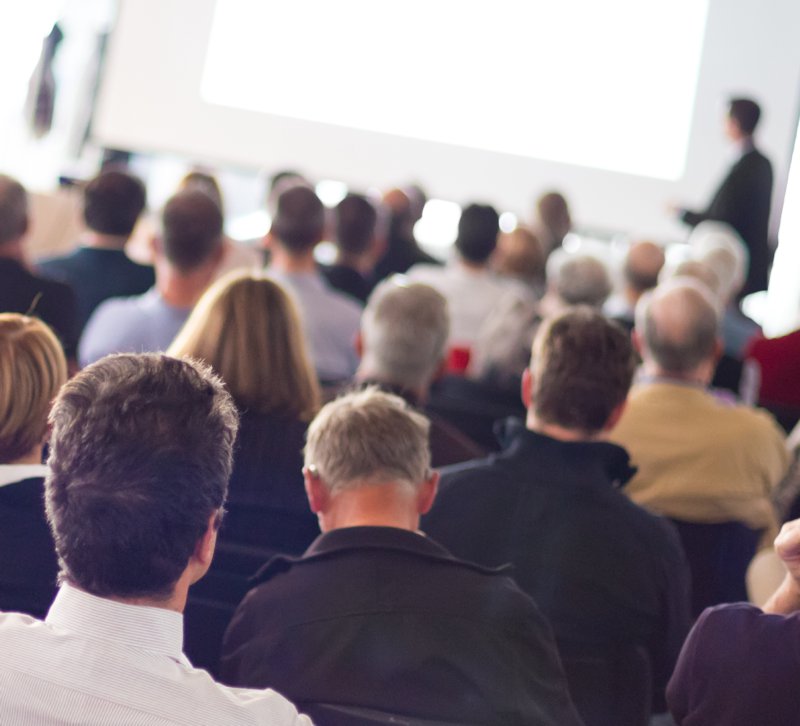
point(615, 416)
point(526, 389)
point(427, 493)
point(204, 550)
point(156, 246)
point(637, 342)
point(268, 241)
point(359, 345)
point(316, 491)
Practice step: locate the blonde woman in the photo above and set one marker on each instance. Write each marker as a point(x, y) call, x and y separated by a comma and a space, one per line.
point(32, 369)
point(246, 327)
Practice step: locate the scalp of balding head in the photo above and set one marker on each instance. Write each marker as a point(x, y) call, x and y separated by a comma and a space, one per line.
point(299, 221)
point(678, 323)
point(643, 264)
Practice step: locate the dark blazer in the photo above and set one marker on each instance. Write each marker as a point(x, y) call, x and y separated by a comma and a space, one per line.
point(743, 201)
point(386, 619)
point(604, 571)
point(54, 302)
point(267, 505)
point(28, 564)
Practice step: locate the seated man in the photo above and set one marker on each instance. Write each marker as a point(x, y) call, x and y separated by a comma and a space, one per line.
point(699, 459)
point(139, 464)
point(403, 347)
point(375, 615)
point(740, 665)
point(606, 573)
point(21, 290)
point(188, 252)
point(330, 318)
point(99, 268)
point(643, 263)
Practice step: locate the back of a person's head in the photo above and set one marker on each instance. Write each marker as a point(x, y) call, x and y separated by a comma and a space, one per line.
point(699, 271)
point(478, 228)
point(368, 437)
point(678, 324)
point(113, 202)
point(32, 369)
point(721, 247)
point(13, 209)
point(553, 213)
point(299, 221)
point(246, 327)
point(140, 457)
point(404, 331)
point(578, 279)
point(643, 264)
point(355, 222)
point(519, 254)
point(202, 181)
point(582, 366)
point(191, 229)
point(746, 113)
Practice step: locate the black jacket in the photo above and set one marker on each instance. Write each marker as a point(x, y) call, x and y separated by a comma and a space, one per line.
point(743, 201)
point(603, 570)
point(386, 619)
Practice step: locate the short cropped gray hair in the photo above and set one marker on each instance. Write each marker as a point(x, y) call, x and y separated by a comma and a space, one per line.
point(404, 330)
point(368, 437)
point(579, 279)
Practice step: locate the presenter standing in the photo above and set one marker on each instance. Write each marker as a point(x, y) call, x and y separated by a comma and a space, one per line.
point(743, 198)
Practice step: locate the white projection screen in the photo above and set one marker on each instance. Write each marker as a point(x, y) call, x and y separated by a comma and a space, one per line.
point(617, 103)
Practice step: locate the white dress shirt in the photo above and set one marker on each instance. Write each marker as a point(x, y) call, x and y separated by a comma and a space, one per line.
point(96, 661)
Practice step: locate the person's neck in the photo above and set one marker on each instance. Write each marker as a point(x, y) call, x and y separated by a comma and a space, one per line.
point(287, 263)
point(33, 457)
point(181, 289)
point(14, 250)
point(367, 374)
point(555, 431)
point(374, 505)
point(99, 241)
point(474, 266)
point(359, 263)
point(700, 376)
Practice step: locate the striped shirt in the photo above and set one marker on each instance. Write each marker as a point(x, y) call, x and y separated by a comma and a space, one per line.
point(96, 661)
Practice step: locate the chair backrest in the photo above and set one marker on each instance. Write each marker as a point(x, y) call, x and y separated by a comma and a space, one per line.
point(331, 714)
point(609, 686)
point(718, 556)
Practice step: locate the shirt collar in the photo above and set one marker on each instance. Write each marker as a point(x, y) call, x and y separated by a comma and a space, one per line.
point(157, 630)
point(12, 473)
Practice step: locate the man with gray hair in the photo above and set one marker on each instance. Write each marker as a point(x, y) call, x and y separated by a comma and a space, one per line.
point(403, 349)
point(699, 459)
point(377, 618)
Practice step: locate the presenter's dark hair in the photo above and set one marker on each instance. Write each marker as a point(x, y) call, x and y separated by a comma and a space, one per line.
point(140, 459)
point(112, 203)
point(746, 113)
point(477, 232)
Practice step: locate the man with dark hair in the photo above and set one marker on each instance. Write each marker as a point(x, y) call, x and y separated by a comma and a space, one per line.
point(377, 617)
point(99, 268)
point(187, 253)
point(471, 288)
point(134, 515)
point(358, 235)
point(21, 290)
point(606, 573)
point(698, 459)
point(643, 263)
point(330, 318)
point(744, 197)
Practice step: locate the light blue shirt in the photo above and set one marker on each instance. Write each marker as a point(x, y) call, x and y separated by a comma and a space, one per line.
point(141, 324)
point(330, 321)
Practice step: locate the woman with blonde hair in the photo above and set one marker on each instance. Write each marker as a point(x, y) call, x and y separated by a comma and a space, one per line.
point(247, 328)
point(32, 370)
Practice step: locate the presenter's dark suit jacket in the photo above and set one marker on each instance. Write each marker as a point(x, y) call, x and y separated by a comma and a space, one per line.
point(386, 619)
point(743, 201)
point(604, 571)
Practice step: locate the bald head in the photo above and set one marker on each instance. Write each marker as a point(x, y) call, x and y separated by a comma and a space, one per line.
point(299, 220)
point(677, 326)
point(13, 209)
point(643, 264)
